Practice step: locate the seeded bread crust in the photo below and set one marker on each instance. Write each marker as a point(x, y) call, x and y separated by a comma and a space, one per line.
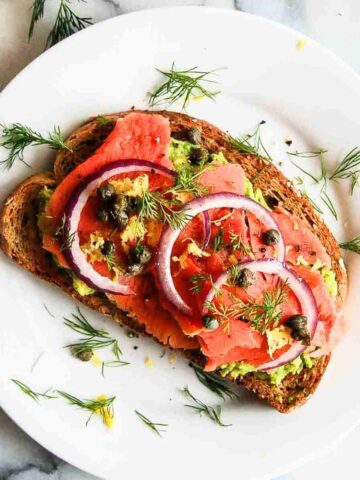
point(21, 241)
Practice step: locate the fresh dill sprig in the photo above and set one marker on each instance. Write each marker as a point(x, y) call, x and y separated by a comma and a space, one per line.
point(349, 167)
point(300, 181)
point(187, 180)
point(156, 427)
point(155, 206)
point(28, 391)
point(48, 311)
point(238, 244)
point(314, 154)
point(102, 406)
point(17, 137)
point(352, 245)
point(213, 413)
point(112, 364)
point(309, 154)
point(219, 240)
point(214, 383)
point(328, 202)
point(67, 22)
point(37, 12)
point(182, 85)
point(264, 313)
point(111, 260)
point(198, 282)
point(223, 313)
point(94, 339)
point(252, 144)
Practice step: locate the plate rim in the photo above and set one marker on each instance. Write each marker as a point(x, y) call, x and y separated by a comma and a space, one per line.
point(91, 30)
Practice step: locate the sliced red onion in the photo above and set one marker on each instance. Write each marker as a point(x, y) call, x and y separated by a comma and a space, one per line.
point(207, 229)
point(299, 287)
point(74, 255)
point(193, 208)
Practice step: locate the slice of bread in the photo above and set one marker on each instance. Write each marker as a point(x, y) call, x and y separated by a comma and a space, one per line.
point(21, 241)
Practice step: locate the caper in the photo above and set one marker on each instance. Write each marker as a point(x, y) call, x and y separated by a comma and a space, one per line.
point(135, 269)
point(121, 202)
point(84, 355)
point(299, 330)
point(242, 318)
point(245, 278)
point(132, 204)
point(106, 192)
point(198, 155)
point(119, 216)
point(271, 237)
point(108, 248)
point(194, 135)
point(296, 322)
point(141, 254)
point(210, 322)
point(103, 215)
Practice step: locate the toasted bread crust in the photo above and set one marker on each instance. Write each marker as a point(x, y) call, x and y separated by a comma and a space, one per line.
point(19, 240)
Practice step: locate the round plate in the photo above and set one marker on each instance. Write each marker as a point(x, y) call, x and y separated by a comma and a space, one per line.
point(305, 94)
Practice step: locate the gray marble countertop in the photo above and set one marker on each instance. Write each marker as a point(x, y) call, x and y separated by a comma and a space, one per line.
point(334, 23)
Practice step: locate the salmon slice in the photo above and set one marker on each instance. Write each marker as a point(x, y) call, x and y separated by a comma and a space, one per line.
point(227, 177)
point(299, 239)
point(136, 136)
point(146, 309)
point(235, 332)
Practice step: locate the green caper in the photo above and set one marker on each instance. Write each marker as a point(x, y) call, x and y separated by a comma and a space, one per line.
point(106, 192)
point(103, 215)
point(133, 204)
point(84, 355)
point(298, 327)
point(198, 155)
point(296, 322)
point(141, 254)
point(245, 278)
point(210, 322)
point(108, 248)
point(119, 216)
point(121, 202)
point(194, 135)
point(271, 237)
point(135, 269)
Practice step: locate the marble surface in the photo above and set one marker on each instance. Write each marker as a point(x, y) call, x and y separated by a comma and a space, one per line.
point(335, 23)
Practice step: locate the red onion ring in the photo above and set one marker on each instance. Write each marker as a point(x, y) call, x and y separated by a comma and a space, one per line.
point(299, 287)
point(78, 199)
point(193, 208)
point(207, 229)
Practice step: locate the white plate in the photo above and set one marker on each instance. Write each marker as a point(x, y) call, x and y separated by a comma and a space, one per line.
point(308, 95)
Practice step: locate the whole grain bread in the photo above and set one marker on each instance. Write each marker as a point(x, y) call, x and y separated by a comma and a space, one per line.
point(21, 241)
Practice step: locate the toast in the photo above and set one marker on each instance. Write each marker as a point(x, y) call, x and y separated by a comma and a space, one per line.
point(21, 241)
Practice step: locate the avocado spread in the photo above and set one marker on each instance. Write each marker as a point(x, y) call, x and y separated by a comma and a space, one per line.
point(179, 152)
point(81, 287)
point(275, 376)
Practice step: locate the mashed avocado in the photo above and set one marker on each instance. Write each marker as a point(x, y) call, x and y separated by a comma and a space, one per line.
point(45, 194)
point(218, 158)
point(327, 274)
point(275, 376)
point(81, 287)
point(256, 195)
point(330, 281)
point(179, 152)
